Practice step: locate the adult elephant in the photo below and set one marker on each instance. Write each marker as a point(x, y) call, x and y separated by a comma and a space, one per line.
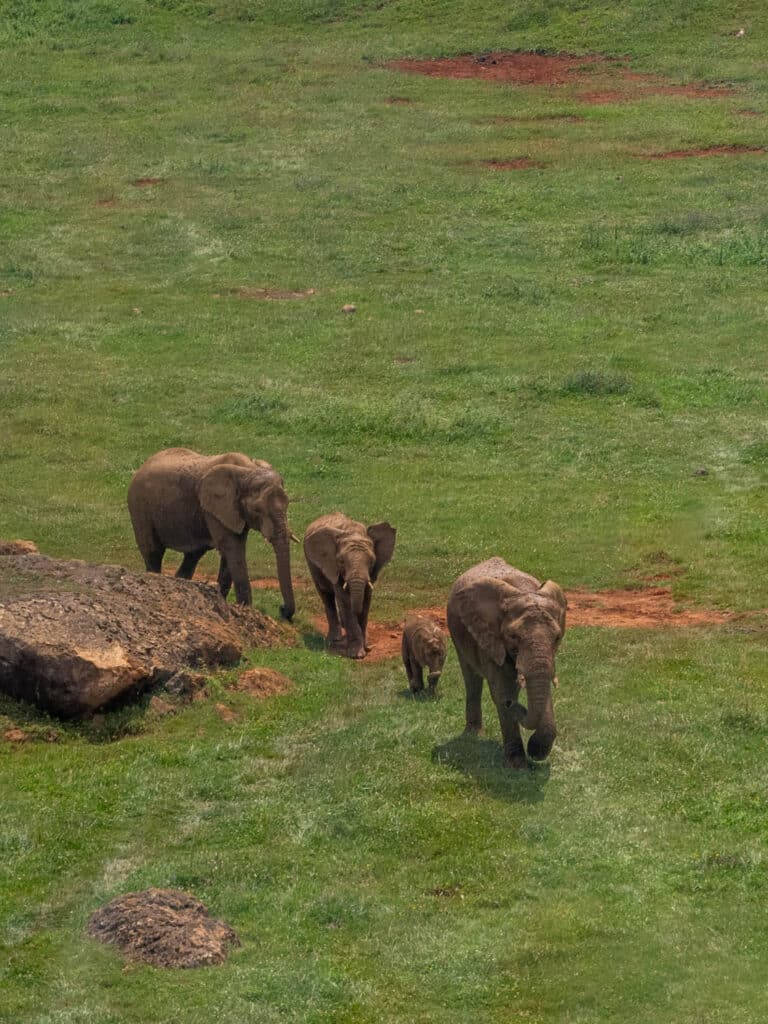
point(192, 503)
point(506, 627)
point(345, 559)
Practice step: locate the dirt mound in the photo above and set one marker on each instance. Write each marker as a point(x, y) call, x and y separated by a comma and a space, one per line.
point(682, 154)
point(18, 547)
point(594, 78)
point(263, 682)
point(75, 637)
point(163, 927)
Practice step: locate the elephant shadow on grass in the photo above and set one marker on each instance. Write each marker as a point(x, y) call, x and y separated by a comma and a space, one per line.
point(481, 759)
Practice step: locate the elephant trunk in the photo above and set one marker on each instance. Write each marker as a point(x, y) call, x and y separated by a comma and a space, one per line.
point(282, 544)
point(539, 718)
point(357, 587)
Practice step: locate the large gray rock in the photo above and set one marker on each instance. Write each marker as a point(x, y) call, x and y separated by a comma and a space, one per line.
point(75, 637)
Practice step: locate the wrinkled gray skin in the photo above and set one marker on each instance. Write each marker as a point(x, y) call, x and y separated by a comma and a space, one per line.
point(506, 627)
point(192, 503)
point(423, 648)
point(345, 559)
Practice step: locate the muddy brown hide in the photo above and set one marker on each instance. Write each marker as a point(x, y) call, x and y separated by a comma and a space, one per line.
point(424, 647)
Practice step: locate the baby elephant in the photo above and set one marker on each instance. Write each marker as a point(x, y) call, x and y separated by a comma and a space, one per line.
point(423, 647)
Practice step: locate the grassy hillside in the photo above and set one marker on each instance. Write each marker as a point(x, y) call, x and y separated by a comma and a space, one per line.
point(540, 363)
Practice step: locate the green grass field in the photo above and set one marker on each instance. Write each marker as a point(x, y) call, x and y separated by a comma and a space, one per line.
point(539, 363)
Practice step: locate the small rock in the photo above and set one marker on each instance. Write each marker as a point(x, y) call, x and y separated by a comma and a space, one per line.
point(349, 308)
point(701, 472)
point(190, 686)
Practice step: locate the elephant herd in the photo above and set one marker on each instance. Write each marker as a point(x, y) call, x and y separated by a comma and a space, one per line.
point(506, 626)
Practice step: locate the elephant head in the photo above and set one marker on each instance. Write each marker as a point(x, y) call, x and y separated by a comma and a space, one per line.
point(237, 497)
point(353, 558)
point(522, 629)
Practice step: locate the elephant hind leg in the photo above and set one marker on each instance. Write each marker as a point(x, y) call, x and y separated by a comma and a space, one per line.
point(152, 553)
point(224, 578)
point(328, 598)
point(189, 563)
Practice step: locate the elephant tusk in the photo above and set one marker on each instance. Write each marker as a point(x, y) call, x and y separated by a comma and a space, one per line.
point(370, 584)
point(555, 681)
point(294, 538)
point(521, 680)
point(345, 585)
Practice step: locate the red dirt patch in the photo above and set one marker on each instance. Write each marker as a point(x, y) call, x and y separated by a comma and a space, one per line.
point(521, 163)
point(648, 608)
point(682, 154)
point(595, 78)
point(263, 583)
point(105, 202)
point(225, 714)
point(263, 682)
point(538, 119)
point(271, 294)
point(163, 927)
point(147, 182)
point(394, 101)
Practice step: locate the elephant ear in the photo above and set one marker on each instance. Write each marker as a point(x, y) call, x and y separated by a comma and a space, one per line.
point(553, 592)
point(321, 549)
point(220, 496)
point(482, 608)
point(383, 537)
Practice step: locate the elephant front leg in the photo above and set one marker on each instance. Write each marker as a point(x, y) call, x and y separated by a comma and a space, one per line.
point(514, 750)
point(364, 616)
point(355, 640)
point(233, 553)
point(224, 578)
point(189, 563)
point(334, 639)
point(473, 684)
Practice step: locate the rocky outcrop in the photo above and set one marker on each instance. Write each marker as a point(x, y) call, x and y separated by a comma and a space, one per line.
point(76, 637)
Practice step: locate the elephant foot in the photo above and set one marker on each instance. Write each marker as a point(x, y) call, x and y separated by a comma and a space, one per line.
point(357, 653)
point(516, 760)
point(474, 729)
point(415, 688)
point(539, 749)
point(286, 613)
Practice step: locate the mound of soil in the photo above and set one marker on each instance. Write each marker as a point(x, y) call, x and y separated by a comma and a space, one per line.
point(263, 682)
point(594, 78)
point(163, 927)
point(75, 637)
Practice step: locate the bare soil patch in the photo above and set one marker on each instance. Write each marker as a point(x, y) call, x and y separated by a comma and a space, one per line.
point(105, 202)
point(163, 927)
point(641, 608)
point(395, 101)
point(521, 163)
point(263, 682)
point(682, 154)
point(147, 182)
point(271, 294)
point(594, 78)
point(225, 714)
point(539, 119)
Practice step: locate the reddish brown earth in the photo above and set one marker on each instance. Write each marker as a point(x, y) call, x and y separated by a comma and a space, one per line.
point(394, 101)
point(647, 608)
point(594, 78)
point(225, 714)
point(538, 118)
point(682, 154)
point(263, 682)
point(163, 927)
point(264, 583)
point(147, 182)
point(271, 294)
point(105, 202)
point(521, 163)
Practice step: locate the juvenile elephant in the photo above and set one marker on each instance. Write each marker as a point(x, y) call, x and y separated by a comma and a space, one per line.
point(423, 647)
point(345, 559)
point(506, 627)
point(193, 503)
